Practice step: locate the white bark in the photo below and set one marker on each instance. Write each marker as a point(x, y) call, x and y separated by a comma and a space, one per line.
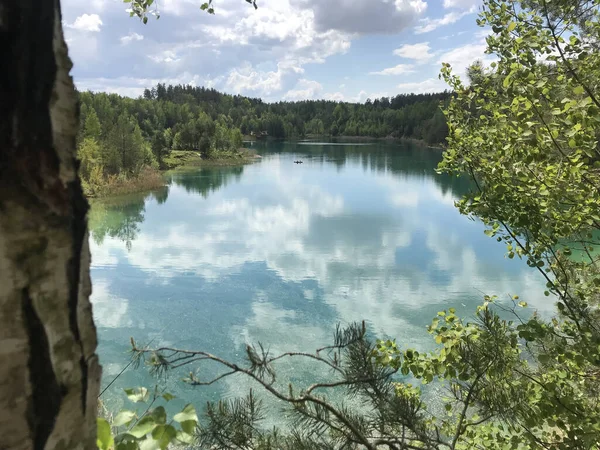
point(49, 372)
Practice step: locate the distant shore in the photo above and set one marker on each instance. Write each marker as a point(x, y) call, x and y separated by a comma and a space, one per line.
point(386, 138)
point(438, 146)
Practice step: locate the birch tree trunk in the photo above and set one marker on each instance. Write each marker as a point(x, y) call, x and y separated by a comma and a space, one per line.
point(49, 372)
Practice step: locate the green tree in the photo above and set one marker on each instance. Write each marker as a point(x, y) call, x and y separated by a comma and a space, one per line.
point(125, 146)
point(89, 155)
point(92, 128)
point(527, 132)
point(159, 147)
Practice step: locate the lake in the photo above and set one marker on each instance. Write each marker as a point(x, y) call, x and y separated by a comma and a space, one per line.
point(280, 253)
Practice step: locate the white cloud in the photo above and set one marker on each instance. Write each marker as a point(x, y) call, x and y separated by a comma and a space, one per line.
point(134, 87)
point(239, 50)
point(304, 90)
point(422, 87)
point(277, 31)
point(131, 37)
point(246, 78)
point(360, 97)
point(448, 36)
point(419, 52)
point(363, 95)
point(462, 57)
point(167, 56)
point(463, 4)
point(280, 26)
point(359, 16)
point(87, 22)
point(480, 34)
point(335, 96)
point(224, 34)
point(448, 18)
point(400, 69)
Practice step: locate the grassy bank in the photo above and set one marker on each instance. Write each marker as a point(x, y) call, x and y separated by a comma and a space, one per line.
point(182, 159)
point(149, 179)
point(146, 180)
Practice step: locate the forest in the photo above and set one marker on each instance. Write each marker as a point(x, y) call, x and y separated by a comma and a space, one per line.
point(416, 116)
point(120, 137)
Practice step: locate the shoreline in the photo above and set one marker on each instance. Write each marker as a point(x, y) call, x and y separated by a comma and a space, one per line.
point(312, 137)
point(181, 160)
point(151, 179)
point(387, 138)
point(184, 159)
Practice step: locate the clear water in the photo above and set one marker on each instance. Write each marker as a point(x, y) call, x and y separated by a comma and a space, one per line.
point(280, 253)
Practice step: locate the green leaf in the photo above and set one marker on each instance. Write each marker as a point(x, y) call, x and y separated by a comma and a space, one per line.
point(160, 415)
point(189, 426)
point(544, 358)
point(104, 439)
point(149, 444)
point(127, 444)
point(143, 427)
point(137, 395)
point(168, 397)
point(187, 413)
point(578, 90)
point(511, 26)
point(123, 418)
point(184, 437)
point(164, 435)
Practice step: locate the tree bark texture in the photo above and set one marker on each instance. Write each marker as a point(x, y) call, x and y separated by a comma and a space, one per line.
point(49, 371)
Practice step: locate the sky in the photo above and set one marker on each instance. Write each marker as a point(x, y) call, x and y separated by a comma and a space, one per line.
point(343, 50)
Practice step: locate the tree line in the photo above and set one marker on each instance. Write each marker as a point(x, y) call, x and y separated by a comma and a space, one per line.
point(415, 116)
point(186, 114)
point(119, 136)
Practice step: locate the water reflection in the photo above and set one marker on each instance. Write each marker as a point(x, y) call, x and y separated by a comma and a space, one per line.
point(280, 252)
point(204, 181)
point(119, 218)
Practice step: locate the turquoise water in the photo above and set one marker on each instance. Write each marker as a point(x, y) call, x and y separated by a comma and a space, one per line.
point(280, 253)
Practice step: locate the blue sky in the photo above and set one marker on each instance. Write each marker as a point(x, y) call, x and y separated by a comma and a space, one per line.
point(286, 50)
